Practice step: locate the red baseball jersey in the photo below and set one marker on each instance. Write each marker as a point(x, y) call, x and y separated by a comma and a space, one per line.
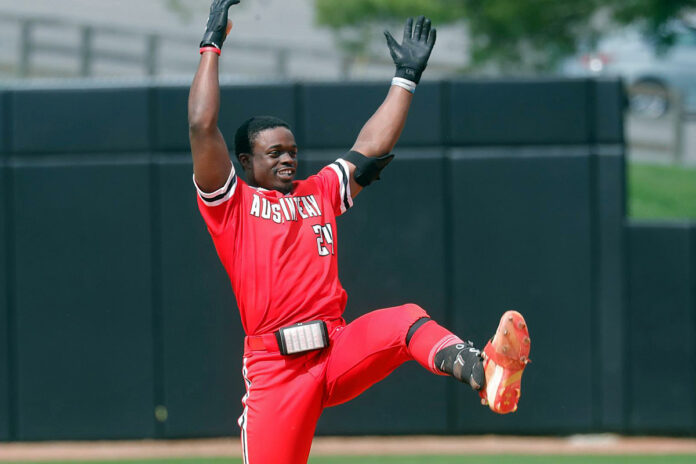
point(280, 251)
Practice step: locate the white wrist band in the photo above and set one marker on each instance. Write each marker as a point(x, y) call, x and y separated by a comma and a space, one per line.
point(405, 84)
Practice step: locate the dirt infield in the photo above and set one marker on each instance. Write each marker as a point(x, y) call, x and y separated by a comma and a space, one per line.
point(327, 446)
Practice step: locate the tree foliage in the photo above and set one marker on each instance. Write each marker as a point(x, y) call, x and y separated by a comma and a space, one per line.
point(524, 34)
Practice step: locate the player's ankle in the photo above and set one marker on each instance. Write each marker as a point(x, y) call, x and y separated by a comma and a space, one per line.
point(463, 362)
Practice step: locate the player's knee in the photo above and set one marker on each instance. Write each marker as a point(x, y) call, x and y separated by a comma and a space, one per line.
point(410, 313)
point(414, 311)
point(415, 318)
point(398, 320)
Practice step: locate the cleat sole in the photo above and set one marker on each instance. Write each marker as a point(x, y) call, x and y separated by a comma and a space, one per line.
point(505, 357)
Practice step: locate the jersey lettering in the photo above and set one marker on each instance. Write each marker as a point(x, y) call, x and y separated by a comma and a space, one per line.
point(255, 206)
point(311, 200)
point(276, 213)
point(291, 208)
point(287, 208)
point(265, 209)
point(284, 207)
point(308, 207)
point(300, 210)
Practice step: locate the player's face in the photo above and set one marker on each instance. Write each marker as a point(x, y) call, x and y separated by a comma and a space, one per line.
point(274, 161)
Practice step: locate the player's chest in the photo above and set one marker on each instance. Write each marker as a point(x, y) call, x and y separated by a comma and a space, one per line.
point(301, 223)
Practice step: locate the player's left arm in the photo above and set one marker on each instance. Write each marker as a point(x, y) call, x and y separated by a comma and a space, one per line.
point(381, 132)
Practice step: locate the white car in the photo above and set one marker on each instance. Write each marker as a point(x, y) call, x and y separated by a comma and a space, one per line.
point(654, 78)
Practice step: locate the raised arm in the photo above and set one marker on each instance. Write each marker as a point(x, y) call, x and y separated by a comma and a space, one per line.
point(381, 132)
point(211, 159)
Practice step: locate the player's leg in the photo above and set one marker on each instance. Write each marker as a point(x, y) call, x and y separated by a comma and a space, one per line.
point(371, 347)
point(498, 378)
point(442, 352)
point(281, 408)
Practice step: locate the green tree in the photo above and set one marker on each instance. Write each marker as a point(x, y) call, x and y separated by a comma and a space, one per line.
point(653, 16)
point(525, 35)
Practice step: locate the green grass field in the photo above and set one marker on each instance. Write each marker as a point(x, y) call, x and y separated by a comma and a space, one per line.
point(474, 459)
point(661, 192)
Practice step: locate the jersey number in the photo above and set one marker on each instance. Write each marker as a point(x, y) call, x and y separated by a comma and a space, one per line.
point(324, 239)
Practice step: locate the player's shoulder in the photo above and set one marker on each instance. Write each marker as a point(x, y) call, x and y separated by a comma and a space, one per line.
point(334, 169)
point(305, 186)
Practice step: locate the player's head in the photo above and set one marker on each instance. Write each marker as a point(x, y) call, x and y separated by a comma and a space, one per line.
point(266, 148)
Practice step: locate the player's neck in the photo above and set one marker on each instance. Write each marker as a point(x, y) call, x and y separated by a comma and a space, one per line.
point(284, 190)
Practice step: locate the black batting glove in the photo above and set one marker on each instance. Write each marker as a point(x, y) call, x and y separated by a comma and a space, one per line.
point(411, 57)
point(216, 30)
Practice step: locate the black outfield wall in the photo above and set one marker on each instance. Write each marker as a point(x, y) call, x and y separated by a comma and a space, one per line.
point(6, 247)
point(662, 326)
point(120, 321)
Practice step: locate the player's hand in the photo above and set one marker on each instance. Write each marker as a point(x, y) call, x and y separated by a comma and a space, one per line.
point(411, 57)
point(217, 28)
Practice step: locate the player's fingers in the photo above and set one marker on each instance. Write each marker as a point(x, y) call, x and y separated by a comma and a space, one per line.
point(432, 38)
point(426, 30)
point(391, 41)
point(229, 3)
point(408, 28)
point(418, 28)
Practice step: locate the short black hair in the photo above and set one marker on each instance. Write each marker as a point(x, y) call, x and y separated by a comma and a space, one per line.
point(247, 132)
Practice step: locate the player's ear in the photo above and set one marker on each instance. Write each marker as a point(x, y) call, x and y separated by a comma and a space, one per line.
point(245, 160)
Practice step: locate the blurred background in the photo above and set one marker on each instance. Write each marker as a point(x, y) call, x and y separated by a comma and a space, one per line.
point(649, 43)
point(558, 138)
point(275, 40)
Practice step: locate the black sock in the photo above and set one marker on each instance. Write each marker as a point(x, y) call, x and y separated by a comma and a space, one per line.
point(463, 362)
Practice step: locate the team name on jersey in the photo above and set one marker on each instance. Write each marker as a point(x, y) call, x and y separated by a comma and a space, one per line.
point(287, 208)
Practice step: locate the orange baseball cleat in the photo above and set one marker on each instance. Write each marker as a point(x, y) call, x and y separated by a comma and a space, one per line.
point(505, 357)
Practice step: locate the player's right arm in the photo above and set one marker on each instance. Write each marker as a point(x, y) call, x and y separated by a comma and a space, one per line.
point(370, 153)
point(211, 161)
point(381, 132)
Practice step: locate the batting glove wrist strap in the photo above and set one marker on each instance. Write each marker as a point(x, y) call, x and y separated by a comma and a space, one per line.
point(411, 56)
point(404, 84)
point(216, 29)
point(210, 48)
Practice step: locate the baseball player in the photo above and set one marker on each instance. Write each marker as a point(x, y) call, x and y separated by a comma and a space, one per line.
point(277, 239)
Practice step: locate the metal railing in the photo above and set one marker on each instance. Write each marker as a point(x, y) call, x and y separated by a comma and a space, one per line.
point(659, 134)
point(88, 53)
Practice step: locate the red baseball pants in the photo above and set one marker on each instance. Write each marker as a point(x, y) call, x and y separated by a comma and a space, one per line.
point(286, 394)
